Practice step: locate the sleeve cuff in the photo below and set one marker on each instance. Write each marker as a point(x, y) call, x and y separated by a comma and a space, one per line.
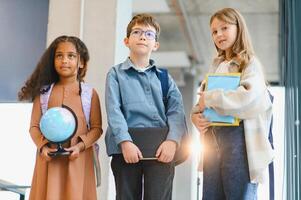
point(195, 109)
point(43, 143)
point(83, 139)
point(123, 137)
point(174, 138)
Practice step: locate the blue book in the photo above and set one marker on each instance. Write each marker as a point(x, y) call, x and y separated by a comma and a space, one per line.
point(226, 81)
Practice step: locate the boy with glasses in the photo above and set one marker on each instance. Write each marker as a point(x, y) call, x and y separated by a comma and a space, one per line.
point(134, 99)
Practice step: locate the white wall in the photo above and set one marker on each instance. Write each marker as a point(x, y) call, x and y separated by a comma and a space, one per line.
point(17, 151)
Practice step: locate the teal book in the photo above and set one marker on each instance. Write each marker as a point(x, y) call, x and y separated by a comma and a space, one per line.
point(225, 81)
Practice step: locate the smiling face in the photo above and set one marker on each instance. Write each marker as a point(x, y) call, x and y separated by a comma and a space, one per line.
point(66, 61)
point(142, 40)
point(223, 34)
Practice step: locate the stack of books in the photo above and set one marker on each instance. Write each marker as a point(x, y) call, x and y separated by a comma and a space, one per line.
point(225, 81)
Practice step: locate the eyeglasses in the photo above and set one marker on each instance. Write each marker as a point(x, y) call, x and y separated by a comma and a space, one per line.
point(149, 34)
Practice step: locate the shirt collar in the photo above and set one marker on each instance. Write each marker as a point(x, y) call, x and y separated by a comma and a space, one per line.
point(127, 64)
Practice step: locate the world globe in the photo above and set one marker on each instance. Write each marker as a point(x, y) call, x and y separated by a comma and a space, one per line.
point(58, 124)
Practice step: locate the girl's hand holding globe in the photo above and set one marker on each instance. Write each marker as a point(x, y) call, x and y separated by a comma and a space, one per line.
point(58, 125)
point(45, 151)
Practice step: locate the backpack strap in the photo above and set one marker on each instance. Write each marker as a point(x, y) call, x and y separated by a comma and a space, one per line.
point(163, 77)
point(271, 165)
point(44, 97)
point(86, 97)
point(182, 152)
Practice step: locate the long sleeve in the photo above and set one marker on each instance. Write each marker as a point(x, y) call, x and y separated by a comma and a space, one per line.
point(116, 120)
point(34, 129)
point(248, 100)
point(95, 122)
point(175, 113)
point(134, 99)
point(196, 109)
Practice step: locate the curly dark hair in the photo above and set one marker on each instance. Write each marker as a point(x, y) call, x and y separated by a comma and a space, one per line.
point(45, 73)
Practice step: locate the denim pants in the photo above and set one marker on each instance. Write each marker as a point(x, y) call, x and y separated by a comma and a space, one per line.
point(147, 180)
point(226, 173)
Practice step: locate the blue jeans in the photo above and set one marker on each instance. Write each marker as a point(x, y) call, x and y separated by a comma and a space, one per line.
point(226, 173)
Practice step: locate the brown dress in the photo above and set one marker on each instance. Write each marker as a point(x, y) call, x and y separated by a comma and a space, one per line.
point(61, 178)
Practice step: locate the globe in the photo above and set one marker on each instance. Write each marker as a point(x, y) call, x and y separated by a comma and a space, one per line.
point(58, 124)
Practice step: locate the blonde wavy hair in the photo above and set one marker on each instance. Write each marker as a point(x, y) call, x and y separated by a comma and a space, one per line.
point(242, 49)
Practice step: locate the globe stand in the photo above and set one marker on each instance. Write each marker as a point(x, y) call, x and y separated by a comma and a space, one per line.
point(60, 151)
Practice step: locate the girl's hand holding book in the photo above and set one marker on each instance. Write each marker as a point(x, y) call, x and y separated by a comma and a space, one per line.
point(201, 102)
point(200, 122)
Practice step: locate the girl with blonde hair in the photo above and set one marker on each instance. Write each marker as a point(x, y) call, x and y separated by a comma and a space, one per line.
point(235, 157)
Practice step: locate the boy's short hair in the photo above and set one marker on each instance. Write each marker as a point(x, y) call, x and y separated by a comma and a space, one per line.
point(143, 19)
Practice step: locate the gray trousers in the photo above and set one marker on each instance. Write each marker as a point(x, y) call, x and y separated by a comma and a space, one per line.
point(226, 173)
point(147, 180)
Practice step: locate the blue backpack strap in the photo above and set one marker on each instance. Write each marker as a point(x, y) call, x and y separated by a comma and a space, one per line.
point(182, 152)
point(163, 77)
point(271, 165)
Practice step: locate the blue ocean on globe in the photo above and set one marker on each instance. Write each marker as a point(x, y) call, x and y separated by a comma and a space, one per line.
point(57, 124)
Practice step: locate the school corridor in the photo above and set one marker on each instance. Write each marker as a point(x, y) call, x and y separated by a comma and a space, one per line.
point(186, 50)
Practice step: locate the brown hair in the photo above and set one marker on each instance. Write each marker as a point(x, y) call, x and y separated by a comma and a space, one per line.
point(45, 73)
point(242, 49)
point(143, 19)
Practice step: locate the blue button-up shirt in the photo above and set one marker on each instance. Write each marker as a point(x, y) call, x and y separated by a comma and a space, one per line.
point(134, 99)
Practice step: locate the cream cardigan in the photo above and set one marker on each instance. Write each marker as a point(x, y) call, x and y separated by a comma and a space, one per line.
point(251, 103)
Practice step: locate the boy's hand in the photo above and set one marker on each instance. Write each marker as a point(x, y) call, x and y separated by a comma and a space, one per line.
point(75, 150)
point(45, 151)
point(130, 152)
point(166, 151)
point(200, 122)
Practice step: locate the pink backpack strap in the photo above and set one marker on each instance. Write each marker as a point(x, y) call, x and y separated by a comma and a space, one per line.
point(44, 98)
point(86, 97)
